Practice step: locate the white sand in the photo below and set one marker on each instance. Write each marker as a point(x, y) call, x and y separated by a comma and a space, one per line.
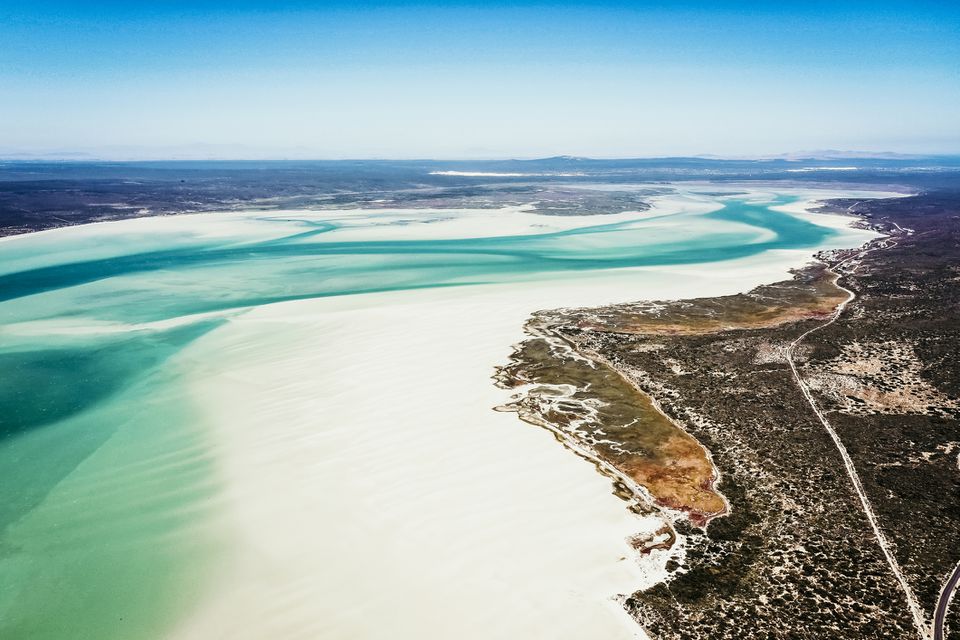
point(370, 490)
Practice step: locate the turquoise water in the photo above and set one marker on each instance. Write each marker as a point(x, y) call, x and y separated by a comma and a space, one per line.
point(107, 476)
point(310, 262)
point(338, 268)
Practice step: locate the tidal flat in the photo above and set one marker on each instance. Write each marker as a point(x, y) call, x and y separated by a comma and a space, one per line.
point(282, 424)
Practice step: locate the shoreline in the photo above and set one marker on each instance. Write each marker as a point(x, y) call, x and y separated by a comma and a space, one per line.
point(474, 303)
point(747, 400)
point(514, 376)
point(273, 382)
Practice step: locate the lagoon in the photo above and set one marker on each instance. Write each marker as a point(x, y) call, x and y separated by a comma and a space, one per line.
point(280, 423)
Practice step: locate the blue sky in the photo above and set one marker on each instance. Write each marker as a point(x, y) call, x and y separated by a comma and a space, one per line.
point(453, 80)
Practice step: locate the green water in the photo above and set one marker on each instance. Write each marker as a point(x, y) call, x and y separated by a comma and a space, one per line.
point(108, 477)
point(105, 473)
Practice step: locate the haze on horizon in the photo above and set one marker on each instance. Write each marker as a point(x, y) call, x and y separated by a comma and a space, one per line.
point(253, 79)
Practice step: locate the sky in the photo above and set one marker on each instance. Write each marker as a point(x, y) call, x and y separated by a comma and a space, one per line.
point(252, 79)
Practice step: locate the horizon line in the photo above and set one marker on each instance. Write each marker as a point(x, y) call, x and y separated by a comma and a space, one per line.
point(819, 155)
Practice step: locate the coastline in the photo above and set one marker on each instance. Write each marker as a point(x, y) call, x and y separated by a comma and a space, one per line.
point(507, 450)
point(271, 366)
point(730, 383)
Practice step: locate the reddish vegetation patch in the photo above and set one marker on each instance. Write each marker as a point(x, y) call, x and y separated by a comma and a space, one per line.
point(594, 406)
point(680, 477)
